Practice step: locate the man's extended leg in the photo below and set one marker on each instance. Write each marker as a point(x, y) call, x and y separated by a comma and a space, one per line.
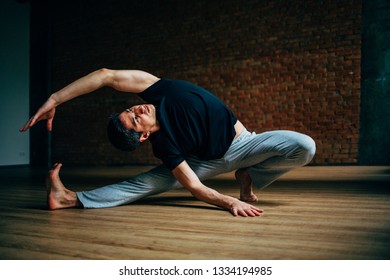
point(158, 180)
point(155, 181)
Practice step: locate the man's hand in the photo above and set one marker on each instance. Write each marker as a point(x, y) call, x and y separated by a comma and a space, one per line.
point(240, 208)
point(186, 176)
point(46, 112)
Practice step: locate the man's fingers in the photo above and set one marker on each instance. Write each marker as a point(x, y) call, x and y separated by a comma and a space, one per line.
point(39, 116)
point(258, 210)
point(23, 129)
point(251, 212)
point(27, 125)
point(245, 209)
point(243, 213)
point(49, 124)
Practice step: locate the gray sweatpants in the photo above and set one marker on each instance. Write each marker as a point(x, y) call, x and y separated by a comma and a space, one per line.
point(266, 156)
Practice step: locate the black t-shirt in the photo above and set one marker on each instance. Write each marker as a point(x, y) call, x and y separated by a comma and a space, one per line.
point(193, 122)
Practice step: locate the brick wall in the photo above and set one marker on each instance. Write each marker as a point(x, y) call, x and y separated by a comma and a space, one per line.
point(278, 64)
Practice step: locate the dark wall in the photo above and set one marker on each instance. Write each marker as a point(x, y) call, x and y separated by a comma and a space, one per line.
point(375, 96)
point(40, 78)
point(278, 64)
point(14, 82)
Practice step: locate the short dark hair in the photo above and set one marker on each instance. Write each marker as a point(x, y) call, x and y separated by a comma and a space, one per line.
point(120, 137)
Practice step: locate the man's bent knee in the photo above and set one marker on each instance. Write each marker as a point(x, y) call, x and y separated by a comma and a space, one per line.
point(308, 149)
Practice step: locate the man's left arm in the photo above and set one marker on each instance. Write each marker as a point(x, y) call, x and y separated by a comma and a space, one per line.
point(129, 81)
point(187, 177)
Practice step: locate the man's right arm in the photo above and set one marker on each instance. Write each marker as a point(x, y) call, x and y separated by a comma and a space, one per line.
point(133, 81)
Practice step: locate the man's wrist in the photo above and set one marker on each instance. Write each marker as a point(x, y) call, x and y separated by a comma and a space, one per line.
point(230, 201)
point(53, 99)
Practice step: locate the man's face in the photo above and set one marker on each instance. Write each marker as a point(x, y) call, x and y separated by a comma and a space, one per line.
point(141, 118)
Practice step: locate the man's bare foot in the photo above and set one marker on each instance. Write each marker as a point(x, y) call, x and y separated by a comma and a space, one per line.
point(58, 196)
point(246, 192)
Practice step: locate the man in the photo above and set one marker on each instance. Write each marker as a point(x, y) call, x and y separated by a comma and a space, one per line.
point(194, 134)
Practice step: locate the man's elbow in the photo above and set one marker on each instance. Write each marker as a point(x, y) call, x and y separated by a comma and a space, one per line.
point(106, 76)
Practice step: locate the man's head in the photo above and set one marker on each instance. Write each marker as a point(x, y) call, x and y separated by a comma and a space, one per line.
point(127, 130)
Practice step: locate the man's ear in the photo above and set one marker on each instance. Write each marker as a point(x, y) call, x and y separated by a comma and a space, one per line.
point(144, 136)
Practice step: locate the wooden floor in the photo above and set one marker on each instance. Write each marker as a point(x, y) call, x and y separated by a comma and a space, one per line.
point(311, 213)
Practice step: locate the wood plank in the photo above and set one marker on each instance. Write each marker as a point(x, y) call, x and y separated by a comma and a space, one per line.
point(306, 217)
